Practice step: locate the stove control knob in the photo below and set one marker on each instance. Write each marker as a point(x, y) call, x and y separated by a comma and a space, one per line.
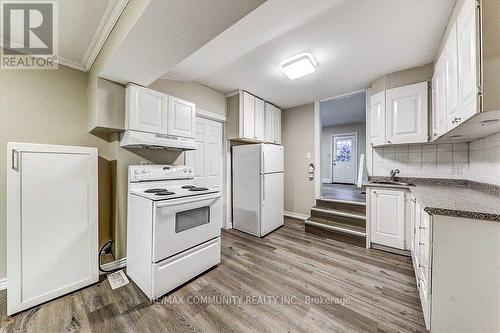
point(136, 171)
point(185, 170)
point(190, 170)
point(144, 171)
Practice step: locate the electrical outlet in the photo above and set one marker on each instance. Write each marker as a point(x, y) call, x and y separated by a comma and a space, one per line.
point(308, 155)
point(457, 170)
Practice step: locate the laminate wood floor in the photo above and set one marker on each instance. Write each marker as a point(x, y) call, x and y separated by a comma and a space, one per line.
point(343, 192)
point(287, 281)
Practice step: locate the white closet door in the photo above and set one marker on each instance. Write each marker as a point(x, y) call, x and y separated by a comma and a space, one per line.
point(207, 158)
point(51, 222)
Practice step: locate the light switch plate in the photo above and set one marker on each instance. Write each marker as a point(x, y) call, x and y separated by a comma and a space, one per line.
point(457, 170)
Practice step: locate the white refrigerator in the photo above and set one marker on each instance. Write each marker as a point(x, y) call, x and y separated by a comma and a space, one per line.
point(258, 186)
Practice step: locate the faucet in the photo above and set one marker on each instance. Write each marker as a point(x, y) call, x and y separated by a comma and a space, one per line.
point(393, 174)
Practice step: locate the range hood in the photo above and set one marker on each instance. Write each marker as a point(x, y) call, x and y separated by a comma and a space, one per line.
point(135, 139)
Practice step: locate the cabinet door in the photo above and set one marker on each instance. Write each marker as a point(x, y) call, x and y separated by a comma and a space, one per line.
point(376, 119)
point(181, 117)
point(467, 62)
point(269, 122)
point(51, 222)
point(248, 116)
point(259, 120)
point(406, 114)
point(439, 99)
point(146, 110)
point(277, 125)
point(451, 68)
point(387, 218)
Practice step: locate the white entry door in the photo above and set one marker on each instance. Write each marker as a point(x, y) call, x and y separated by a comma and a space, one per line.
point(344, 159)
point(207, 158)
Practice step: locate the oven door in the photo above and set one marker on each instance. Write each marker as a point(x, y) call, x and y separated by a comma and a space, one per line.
point(180, 224)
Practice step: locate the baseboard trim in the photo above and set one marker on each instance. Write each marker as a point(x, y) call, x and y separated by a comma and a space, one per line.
point(326, 180)
point(117, 264)
point(3, 283)
point(296, 215)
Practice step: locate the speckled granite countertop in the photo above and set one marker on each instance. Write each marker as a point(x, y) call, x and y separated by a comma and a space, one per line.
point(459, 198)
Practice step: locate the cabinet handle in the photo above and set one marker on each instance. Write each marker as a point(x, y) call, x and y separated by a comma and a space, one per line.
point(435, 133)
point(371, 143)
point(421, 266)
point(456, 120)
point(420, 243)
point(421, 228)
point(388, 141)
point(15, 160)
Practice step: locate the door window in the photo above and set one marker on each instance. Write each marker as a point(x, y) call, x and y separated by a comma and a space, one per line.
point(192, 218)
point(344, 150)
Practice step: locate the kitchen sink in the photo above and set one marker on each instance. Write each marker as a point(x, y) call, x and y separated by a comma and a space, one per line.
point(391, 183)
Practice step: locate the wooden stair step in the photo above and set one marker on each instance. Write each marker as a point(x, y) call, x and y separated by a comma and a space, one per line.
point(354, 207)
point(339, 226)
point(336, 212)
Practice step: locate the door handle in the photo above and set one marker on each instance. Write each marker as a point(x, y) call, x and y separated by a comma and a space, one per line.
point(15, 160)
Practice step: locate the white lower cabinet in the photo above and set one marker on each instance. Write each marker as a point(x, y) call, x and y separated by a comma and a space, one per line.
point(387, 217)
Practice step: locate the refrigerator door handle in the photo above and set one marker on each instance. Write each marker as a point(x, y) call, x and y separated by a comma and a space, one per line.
point(263, 157)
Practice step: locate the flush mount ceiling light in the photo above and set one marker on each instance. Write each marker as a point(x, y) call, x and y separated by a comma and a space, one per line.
point(298, 66)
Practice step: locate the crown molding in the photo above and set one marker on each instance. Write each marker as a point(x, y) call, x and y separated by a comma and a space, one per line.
point(108, 21)
point(70, 63)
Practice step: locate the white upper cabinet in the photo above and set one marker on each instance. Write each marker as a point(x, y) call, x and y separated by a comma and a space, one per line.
point(451, 69)
point(146, 110)
point(439, 98)
point(467, 62)
point(259, 119)
point(151, 111)
point(247, 119)
point(272, 124)
point(406, 114)
point(248, 116)
point(181, 117)
point(387, 218)
point(376, 119)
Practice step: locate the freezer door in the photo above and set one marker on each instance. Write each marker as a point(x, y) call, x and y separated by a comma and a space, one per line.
point(272, 201)
point(271, 158)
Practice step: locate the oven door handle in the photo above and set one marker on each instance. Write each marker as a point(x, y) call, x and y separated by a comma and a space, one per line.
point(174, 202)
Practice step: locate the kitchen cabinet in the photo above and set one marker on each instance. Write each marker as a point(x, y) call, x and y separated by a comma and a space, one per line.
point(406, 114)
point(146, 110)
point(471, 61)
point(387, 217)
point(467, 62)
point(439, 98)
point(181, 117)
point(151, 111)
point(51, 222)
point(451, 82)
point(376, 119)
point(272, 124)
point(246, 118)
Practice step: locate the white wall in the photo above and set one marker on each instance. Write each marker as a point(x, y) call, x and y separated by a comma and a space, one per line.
point(424, 160)
point(484, 160)
point(326, 145)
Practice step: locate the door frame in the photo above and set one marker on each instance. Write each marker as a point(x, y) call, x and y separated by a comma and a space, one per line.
point(317, 138)
point(355, 146)
point(226, 222)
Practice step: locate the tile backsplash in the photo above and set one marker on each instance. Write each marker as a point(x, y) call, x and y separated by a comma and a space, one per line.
point(445, 160)
point(478, 160)
point(484, 160)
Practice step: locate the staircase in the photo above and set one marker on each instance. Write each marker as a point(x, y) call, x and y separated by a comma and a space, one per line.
point(338, 219)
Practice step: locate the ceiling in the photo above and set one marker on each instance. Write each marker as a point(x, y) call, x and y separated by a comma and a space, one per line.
point(354, 43)
point(168, 32)
point(83, 29)
point(343, 110)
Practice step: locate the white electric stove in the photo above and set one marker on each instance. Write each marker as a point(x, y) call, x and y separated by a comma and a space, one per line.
point(173, 227)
